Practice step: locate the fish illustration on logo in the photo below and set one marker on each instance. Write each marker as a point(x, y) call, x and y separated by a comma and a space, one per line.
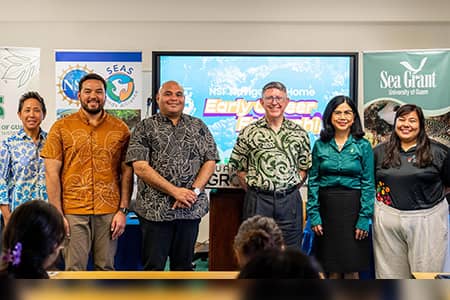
point(408, 66)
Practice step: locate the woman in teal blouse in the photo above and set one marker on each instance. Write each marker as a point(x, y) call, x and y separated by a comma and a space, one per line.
point(341, 191)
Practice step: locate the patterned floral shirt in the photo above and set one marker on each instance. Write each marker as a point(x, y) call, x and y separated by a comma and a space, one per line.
point(91, 159)
point(22, 172)
point(272, 159)
point(176, 152)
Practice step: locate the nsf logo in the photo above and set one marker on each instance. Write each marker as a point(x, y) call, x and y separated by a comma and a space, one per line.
point(120, 87)
point(69, 81)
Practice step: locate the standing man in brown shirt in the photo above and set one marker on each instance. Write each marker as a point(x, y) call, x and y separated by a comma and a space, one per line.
point(87, 179)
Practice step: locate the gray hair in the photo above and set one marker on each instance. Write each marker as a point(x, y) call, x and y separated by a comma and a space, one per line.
point(274, 85)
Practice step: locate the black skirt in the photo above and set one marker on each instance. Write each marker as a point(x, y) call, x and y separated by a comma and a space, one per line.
point(337, 250)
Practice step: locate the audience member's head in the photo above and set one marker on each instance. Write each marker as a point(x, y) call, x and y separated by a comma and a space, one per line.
point(32, 240)
point(255, 235)
point(281, 264)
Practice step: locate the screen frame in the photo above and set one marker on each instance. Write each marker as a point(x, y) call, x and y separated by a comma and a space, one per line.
point(156, 80)
point(223, 177)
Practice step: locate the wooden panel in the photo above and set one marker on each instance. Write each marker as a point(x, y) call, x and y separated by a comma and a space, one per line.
point(225, 218)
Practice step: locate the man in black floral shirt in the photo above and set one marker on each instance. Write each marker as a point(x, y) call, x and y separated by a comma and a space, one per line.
point(173, 155)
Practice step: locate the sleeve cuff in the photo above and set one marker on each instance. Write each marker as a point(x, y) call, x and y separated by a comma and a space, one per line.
point(363, 223)
point(316, 220)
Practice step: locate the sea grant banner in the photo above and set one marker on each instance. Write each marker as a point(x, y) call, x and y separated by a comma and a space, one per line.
point(395, 78)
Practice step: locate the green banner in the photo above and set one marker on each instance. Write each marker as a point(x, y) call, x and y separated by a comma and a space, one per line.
point(399, 77)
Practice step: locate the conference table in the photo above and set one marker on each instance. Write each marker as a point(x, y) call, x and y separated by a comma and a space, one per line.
point(427, 275)
point(143, 275)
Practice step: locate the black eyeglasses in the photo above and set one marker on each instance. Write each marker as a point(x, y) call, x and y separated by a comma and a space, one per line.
point(277, 99)
point(345, 113)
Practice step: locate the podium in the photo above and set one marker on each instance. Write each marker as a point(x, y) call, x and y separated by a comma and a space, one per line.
point(225, 217)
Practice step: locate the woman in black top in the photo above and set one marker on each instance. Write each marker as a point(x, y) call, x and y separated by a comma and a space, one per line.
point(411, 214)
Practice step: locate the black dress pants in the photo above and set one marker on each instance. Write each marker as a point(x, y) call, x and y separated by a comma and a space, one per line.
point(174, 239)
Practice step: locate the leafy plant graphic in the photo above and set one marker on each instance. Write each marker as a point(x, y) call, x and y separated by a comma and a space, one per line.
point(18, 64)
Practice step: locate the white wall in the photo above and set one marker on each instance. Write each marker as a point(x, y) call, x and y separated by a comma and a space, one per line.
point(258, 25)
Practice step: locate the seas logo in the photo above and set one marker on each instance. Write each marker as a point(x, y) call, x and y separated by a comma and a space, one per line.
point(120, 86)
point(69, 82)
point(412, 77)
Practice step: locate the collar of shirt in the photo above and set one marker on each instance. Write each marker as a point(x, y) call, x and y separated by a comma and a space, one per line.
point(164, 118)
point(23, 135)
point(263, 123)
point(349, 141)
point(409, 151)
point(85, 119)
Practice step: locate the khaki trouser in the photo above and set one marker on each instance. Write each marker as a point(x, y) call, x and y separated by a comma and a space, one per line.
point(90, 232)
point(409, 241)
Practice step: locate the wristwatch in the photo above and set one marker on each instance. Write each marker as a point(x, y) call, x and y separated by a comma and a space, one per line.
point(124, 210)
point(196, 190)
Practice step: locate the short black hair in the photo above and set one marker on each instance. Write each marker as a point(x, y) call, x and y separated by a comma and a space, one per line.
point(32, 95)
point(91, 76)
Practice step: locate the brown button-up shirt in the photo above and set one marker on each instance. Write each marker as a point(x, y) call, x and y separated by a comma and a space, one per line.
point(91, 162)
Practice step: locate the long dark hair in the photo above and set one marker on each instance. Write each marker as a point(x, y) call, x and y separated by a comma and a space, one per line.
point(423, 148)
point(38, 228)
point(328, 131)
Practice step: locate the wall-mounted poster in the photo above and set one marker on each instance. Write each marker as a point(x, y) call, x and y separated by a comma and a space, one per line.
point(19, 73)
point(397, 77)
point(121, 70)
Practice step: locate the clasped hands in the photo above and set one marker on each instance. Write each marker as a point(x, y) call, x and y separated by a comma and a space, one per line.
point(184, 198)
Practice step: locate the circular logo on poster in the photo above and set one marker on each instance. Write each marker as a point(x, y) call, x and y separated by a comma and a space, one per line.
point(69, 83)
point(120, 87)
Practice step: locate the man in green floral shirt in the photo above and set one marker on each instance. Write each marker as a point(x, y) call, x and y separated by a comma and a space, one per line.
point(271, 158)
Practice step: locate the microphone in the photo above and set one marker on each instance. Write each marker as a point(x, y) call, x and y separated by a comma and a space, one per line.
point(149, 105)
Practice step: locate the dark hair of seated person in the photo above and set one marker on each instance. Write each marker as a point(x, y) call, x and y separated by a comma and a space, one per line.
point(280, 264)
point(256, 234)
point(31, 240)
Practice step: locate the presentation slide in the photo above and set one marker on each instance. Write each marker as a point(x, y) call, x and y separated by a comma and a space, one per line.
point(224, 90)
